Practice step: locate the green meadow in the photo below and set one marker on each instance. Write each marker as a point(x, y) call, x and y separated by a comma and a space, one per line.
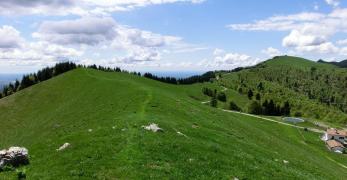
point(101, 115)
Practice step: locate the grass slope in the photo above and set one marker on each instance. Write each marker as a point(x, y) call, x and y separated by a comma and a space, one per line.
point(307, 85)
point(218, 145)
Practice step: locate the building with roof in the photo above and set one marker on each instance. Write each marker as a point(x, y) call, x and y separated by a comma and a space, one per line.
point(335, 146)
point(335, 134)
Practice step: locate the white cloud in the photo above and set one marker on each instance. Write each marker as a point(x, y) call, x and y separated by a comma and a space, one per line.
point(343, 51)
point(141, 45)
point(297, 38)
point(271, 52)
point(15, 50)
point(218, 52)
point(105, 34)
point(342, 42)
point(9, 38)
point(223, 60)
point(86, 31)
point(333, 3)
point(324, 48)
point(78, 7)
point(308, 32)
point(279, 23)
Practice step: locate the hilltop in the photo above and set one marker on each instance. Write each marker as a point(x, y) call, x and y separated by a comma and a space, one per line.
point(101, 115)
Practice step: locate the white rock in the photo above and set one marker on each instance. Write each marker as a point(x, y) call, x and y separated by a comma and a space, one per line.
point(2, 152)
point(181, 134)
point(152, 127)
point(64, 146)
point(14, 156)
point(285, 161)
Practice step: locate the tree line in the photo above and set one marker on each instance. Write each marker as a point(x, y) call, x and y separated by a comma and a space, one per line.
point(59, 68)
point(270, 108)
point(206, 77)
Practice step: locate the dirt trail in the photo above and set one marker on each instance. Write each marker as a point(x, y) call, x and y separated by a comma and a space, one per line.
point(271, 120)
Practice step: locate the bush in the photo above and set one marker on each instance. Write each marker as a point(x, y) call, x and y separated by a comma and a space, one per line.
point(222, 97)
point(21, 174)
point(213, 102)
point(298, 114)
point(233, 106)
point(255, 108)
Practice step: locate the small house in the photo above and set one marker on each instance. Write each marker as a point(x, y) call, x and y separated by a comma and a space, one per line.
point(335, 134)
point(335, 146)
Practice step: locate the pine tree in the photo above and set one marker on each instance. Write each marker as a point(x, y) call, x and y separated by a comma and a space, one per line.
point(233, 106)
point(222, 97)
point(255, 108)
point(213, 102)
point(250, 94)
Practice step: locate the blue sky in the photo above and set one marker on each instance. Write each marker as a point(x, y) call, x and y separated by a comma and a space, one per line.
point(168, 35)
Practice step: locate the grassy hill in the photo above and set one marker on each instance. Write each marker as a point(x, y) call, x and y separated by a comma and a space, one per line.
point(315, 90)
point(101, 115)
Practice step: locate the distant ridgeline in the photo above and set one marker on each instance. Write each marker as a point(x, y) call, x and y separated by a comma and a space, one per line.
point(342, 64)
point(189, 80)
point(60, 68)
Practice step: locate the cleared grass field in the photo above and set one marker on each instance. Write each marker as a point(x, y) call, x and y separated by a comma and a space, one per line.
point(216, 145)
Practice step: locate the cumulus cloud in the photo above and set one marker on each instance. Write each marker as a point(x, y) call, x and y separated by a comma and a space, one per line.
point(51, 7)
point(308, 32)
point(105, 33)
point(297, 38)
point(78, 7)
point(228, 60)
point(271, 52)
point(142, 45)
point(9, 38)
point(86, 31)
point(16, 50)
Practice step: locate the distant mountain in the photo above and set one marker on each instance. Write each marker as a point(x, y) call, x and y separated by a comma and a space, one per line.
point(342, 64)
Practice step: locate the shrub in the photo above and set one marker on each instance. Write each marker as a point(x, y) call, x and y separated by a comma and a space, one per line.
point(255, 108)
point(298, 114)
point(21, 174)
point(213, 102)
point(222, 97)
point(233, 106)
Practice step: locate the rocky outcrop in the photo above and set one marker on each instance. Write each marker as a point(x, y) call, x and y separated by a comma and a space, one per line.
point(14, 156)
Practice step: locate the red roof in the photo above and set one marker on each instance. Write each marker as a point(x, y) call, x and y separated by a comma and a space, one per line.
point(336, 132)
point(334, 143)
